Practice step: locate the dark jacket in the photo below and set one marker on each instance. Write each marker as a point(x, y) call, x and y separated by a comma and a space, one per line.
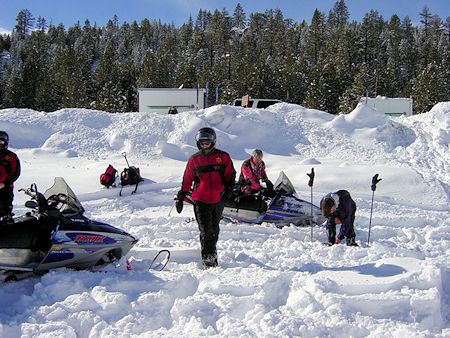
point(211, 175)
point(345, 211)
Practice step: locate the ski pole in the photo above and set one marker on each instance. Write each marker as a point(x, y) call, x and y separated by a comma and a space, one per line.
point(124, 154)
point(373, 187)
point(173, 204)
point(310, 184)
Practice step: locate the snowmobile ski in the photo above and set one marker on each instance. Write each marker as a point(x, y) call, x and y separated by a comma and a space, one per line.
point(160, 261)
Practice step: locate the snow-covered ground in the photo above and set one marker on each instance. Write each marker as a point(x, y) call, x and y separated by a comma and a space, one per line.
point(271, 282)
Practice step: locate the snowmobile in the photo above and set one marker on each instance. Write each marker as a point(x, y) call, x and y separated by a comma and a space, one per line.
point(282, 208)
point(56, 234)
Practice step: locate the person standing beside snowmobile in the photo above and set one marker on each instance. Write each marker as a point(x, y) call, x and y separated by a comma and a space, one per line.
point(253, 170)
point(9, 172)
point(339, 208)
point(210, 174)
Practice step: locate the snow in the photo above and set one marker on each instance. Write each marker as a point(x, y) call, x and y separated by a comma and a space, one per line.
point(270, 282)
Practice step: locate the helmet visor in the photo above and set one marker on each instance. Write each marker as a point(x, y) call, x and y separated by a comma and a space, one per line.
point(205, 136)
point(204, 143)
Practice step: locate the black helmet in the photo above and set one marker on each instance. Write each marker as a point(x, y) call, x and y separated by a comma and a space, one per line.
point(4, 139)
point(206, 134)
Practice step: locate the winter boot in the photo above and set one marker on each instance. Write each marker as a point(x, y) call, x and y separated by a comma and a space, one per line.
point(7, 219)
point(351, 241)
point(210, 261)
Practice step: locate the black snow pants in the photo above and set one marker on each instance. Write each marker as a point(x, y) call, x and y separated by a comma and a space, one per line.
point(208, 217)
point(6, 201)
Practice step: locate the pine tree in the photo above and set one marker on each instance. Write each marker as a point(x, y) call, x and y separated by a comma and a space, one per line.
point(128, 79)
point(13, 90)
point(327, 64)
point(393, 81)
point(73, 78)
point(408, 57)
point(372, 54)
point(238, 20)
point(5, 42)
point(111, 98)
point(316, 37)
point(359, 88)
point(430, 88)
point(24, 23)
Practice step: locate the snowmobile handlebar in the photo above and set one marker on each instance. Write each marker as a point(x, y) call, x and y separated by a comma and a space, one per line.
point(31, 191)
point(38, 200)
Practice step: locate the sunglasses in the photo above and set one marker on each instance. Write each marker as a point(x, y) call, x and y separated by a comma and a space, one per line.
point(205, 143)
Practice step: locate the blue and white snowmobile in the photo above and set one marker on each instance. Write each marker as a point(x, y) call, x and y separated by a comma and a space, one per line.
point(283, 208)
point(56, 234)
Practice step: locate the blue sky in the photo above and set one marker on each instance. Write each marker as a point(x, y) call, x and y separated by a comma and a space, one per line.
point(69, 12)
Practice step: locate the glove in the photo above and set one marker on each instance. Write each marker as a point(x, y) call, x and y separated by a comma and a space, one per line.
point(236, 190)
point(226, 195)
point(179, 201)
point(331, 221)
point(338, 240)
point(269, 185)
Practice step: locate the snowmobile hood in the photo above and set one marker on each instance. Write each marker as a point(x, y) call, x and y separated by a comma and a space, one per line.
point(283, 185)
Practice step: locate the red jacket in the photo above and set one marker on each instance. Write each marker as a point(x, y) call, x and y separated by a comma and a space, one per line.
point(251, 174)
point(211, 175)
point(10, 168)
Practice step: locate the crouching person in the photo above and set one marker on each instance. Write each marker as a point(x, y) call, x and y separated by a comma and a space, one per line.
point(339, 208)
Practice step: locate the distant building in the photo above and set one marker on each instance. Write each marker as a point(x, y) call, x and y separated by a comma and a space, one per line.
point(171, 100)
point(393, 106)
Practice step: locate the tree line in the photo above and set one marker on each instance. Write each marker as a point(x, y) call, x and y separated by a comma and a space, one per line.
point(327, 64)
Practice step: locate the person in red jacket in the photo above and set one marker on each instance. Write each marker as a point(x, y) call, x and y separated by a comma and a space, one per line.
point(9, 172)
point(209, 176)
point(253, 171)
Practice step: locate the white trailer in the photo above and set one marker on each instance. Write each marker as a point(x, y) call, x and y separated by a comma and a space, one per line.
point(161, 100)
point(393, 106)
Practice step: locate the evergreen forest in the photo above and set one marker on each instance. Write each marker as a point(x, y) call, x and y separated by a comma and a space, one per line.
point(326, 64)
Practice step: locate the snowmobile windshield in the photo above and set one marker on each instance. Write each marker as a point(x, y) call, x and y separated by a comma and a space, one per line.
point(61, 193)
point(283, 185)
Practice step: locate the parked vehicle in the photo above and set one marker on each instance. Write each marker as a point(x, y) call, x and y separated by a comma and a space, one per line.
point(282, 209)
point(56, 234)
point(256, 103)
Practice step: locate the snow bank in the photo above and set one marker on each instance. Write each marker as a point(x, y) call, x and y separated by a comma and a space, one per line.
point(270, 282)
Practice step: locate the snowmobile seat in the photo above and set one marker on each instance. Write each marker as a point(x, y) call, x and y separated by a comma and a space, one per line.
point(26, 232)
point(251, 202)
point(18, 235)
